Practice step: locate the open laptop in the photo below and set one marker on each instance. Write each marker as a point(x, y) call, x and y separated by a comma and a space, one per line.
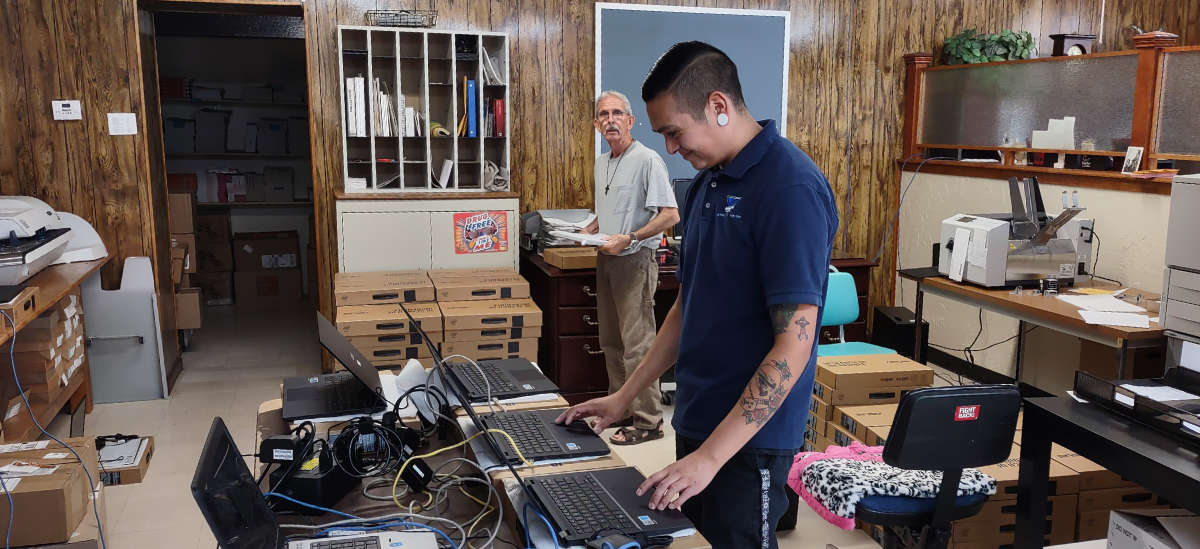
point(507, 378)
point(540, 438)
point(356, 392)
point(583, 504)
point(238, 515)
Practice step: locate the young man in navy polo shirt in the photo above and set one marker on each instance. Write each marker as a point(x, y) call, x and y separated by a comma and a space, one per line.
point(760, 220)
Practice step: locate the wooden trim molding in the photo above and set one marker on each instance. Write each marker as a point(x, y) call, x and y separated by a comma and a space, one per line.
point(913, 64)
point(1145, 94)
point(1111, 181)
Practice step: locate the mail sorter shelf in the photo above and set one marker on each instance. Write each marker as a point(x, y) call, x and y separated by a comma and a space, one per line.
point(424, 110)
point(1176, 418)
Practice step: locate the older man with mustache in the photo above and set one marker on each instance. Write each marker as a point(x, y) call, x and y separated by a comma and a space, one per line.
point(634, 204)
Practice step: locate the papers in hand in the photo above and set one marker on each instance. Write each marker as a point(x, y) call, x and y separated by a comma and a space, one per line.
point(1129, 320)
point(582, 238)
point(1106, 303)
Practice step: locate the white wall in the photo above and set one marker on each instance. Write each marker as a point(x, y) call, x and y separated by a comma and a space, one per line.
point(1132, 229)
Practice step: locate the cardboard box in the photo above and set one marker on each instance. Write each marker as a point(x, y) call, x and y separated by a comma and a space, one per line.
point(181, 212)
point(390, 341)
point(17, 422)
point(996, 522)
point(1091, 525)
point(820, 408)
point(267, 290)
point(363, 320)
point(189, 309)
point(890, 370)
point(214, 256)
point(571, 258)
point(87, 533)
point(266, 251)
point(382, 287)
point(1063, 481)
point(188, 243)
point(492, 334)
point(508, 348)
point(877, 435)
point(132, 474)
point(216, 287)
point(1091, 475)
point(1129, 497)
point(50, 452)
point(860, 395)
point(497, 313)
point(814, 423)
point(812, 434)
point(838, 435)
point(856, 419)
point(450, 274)
point(1144, 529)
point(46, 507)
point(482, 287)
point(1004, 511)
point(387, 355)
point(177, 258)
point(213, 227)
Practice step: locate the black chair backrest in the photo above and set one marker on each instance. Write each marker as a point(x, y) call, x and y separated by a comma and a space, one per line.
point(945, 428)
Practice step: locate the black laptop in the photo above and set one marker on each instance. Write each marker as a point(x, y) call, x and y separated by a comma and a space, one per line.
point(540, 438)
point(507, 378)
point(355, 392)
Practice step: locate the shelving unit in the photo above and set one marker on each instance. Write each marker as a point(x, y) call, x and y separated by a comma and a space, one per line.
point(427, 70)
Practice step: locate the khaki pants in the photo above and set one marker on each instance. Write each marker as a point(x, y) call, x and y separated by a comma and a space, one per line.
point(625, 287)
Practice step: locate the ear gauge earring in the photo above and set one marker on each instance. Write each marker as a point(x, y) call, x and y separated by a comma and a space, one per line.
point(722, 119)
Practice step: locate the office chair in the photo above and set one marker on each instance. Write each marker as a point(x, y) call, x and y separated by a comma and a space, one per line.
point(943, 429)
point(841, 308)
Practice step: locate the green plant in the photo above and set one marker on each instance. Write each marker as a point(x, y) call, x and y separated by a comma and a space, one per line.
point(971, 47)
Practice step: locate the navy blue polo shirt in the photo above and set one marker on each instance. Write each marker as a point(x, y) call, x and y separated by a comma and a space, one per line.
point(757, 233)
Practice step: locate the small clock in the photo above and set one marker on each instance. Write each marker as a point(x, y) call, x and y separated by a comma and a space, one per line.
point(1072, 44)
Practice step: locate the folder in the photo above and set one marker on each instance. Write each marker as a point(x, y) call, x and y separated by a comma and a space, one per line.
point(472, 110)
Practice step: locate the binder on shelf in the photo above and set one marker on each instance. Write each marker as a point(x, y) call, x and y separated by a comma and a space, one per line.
point(356, 107)
point(472, 111)
point(410, 122)
point(498, 109)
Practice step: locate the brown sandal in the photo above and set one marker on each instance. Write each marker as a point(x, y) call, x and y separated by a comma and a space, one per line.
point(633, 435)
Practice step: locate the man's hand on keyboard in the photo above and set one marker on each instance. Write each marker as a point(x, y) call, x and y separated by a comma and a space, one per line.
point(607, 410)
point(680, 480)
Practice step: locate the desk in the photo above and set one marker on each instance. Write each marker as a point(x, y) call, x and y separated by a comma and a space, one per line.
point(1051, 313)
point(54, 283)
point(1123, 446)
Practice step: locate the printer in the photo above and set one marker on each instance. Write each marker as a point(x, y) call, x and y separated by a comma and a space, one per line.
point(1018, 248)
point(1180, 310)
point(34, 236)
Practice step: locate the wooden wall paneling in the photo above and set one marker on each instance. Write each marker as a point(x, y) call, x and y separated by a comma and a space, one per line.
point(16, 156)
point(1067, 16)
point(69, 43)
point(531, 101)
point(46, 136)
point(579, 82)
point(1174, 16)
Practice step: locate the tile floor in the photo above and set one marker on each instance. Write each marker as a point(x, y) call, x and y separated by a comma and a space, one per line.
point(235, 363)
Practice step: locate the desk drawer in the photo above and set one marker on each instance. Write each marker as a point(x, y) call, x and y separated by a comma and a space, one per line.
point(1183, 286)
point(1180, 316)
point(578, 321)
point(577, 291)
point(581, 365)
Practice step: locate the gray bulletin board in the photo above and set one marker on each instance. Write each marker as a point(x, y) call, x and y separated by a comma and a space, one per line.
point(631, 37)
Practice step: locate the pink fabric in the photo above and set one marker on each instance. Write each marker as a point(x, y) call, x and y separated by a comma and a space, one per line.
point(855, 451)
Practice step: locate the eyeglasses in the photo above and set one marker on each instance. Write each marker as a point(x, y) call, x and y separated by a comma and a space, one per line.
point(614, 114)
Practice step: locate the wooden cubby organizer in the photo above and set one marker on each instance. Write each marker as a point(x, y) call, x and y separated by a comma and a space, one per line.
point(428, 69)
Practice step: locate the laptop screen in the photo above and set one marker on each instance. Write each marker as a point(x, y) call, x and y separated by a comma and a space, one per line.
point(348, 355)
point(229, 499)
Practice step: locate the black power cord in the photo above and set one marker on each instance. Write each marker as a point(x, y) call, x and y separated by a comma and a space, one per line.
point(1096, 258)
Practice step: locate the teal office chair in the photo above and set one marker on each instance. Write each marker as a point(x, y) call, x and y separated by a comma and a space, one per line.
point(841, 308)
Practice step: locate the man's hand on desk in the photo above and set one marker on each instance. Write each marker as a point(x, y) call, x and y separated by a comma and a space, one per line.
point(615, 244)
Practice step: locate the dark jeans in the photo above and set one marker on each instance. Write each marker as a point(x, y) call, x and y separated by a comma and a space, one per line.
point(744, 501)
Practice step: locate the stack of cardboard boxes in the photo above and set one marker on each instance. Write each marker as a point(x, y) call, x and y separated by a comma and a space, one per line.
point(1100, 492)
point(843, 381)
point(49, 354)
point(481, 314)
point(181, 219)
point(50, 493)
point(267, 270)
point(214, 257)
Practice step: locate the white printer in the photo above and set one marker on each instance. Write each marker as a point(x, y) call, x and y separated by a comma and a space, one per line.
point(34, 236)
point(1180, 311)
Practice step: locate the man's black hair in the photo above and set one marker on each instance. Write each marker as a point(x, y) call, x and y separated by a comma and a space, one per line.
point(691, 71)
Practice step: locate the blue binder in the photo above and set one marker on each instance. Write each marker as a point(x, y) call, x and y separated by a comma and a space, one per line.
point(472, 110)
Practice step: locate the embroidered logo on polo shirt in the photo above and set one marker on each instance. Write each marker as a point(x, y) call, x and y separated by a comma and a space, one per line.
point(731, 202)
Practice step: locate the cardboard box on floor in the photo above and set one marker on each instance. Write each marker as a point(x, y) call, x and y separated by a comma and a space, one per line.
point(999, 529)
point(271, 290)
point(214, 256)
point(497, 313)
point(856, 419)
point(216, 287)
point(382, 287)
point(451, 274)
point(262, 251)
point(1091, 475)
point(1129, 497)
point(855, 395)
point(890, 370)
point(213, 227)
point(1063, 481)
point(46, 507)
point(392, 341)
point(1091, 525)
point(492, 334)
point(116, 476)
point(365, 320)
point(820, 408)
point(482, 287)
point(87, 533)
point(52, 453)
point(509, 348)
point(189, 309)
point(1153, 529)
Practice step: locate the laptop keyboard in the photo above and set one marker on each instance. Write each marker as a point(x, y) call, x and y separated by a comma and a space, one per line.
point(527, 430)
point(347, 394)
point(348, 543)
point(496, 377)
point(587, 508)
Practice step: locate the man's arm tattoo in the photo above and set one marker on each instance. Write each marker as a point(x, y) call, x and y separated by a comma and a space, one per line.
point(766, 392)
point(781, 316)
point(803, 324)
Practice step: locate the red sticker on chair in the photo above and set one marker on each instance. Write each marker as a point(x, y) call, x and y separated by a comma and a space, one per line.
point(967, 413)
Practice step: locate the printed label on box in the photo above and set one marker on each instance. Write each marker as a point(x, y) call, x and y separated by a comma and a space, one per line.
point(480, 232)
point(56, 455)
point(22, 446)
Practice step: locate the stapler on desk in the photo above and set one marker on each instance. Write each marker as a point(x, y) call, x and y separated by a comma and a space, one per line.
point(34, 236)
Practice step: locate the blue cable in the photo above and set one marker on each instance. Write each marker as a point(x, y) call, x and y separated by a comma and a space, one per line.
point(7, 533)
point(630, 545)
point(525, 520)
point(387, 525)
point(309, 505)
point(12, 345)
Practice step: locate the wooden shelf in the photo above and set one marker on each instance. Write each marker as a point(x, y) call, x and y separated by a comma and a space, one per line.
point(234, 103)
point(1113, 181)
point(235, 156)
point(1023, 149)
point(226, 205)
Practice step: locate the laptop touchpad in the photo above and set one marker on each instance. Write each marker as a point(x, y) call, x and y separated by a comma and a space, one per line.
point(303, 393)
